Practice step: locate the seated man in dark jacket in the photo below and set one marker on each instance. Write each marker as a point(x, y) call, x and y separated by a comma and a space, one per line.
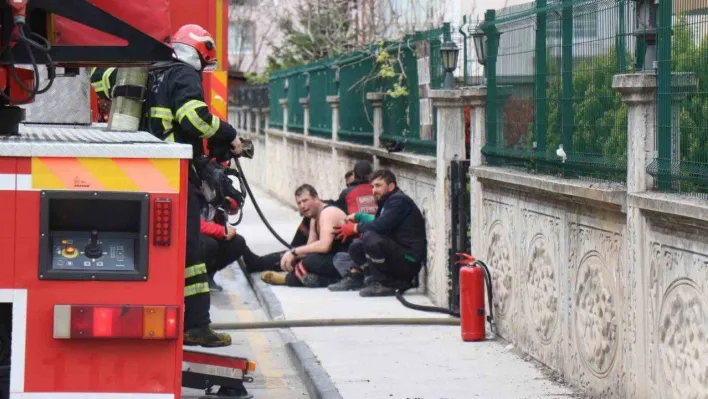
point(393, 242)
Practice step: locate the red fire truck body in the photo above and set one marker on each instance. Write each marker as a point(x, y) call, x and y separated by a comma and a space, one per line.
point(93, 222)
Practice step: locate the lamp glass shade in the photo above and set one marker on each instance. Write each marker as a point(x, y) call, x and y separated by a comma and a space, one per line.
point(480, 46)
point(448, 54)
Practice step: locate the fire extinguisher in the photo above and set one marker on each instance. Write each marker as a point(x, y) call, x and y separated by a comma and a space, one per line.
point(474, 275)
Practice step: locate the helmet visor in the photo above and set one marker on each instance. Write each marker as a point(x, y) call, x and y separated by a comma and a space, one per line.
point(210, 66)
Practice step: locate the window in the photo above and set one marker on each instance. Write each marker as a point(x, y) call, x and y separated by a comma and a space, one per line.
point(241, 37)
point(585, 19)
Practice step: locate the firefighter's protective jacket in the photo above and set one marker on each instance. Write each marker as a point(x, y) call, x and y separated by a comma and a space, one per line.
point(174, 108)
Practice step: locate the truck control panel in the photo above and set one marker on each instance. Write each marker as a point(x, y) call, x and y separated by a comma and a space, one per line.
point(93, 235)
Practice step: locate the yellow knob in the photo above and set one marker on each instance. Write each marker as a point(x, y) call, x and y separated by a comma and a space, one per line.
point(69, 251)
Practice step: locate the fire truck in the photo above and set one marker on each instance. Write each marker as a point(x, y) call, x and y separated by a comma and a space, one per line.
point(93, 221)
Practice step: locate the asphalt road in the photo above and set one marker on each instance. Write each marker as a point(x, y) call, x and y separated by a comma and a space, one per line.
point(275, 377)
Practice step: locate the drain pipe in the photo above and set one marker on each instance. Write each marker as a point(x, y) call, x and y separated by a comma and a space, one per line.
point(379, 321)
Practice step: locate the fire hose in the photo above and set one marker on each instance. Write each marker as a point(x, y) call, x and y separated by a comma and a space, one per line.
point(354, 322)
point(379, 321)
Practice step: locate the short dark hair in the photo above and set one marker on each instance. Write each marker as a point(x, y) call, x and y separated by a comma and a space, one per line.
point(349, 174)
point(362, 170)
point(386, 175)
point(306, 188)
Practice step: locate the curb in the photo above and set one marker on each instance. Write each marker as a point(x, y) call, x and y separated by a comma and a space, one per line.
point(314, 376)
point(316, 380)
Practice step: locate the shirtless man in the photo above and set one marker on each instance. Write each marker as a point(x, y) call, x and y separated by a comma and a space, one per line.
point(311, 265)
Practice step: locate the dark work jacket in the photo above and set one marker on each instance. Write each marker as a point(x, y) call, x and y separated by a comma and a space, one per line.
point(399, 219)
point(357, 197)
point(174, 109)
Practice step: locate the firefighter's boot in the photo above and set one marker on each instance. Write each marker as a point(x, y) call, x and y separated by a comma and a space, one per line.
point(375, 289)
point(352, 281)
point(213, 286)
point(206, 337)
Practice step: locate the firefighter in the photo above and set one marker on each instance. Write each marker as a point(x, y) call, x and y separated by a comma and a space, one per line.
point(358, 196)
point(175, 111)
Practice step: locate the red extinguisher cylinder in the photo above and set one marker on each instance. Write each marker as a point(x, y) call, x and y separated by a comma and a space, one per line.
point(472, 310)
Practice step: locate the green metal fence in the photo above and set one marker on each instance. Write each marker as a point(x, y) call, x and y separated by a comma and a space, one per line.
point(322, 84)
point(275, 93)
point(682, 97)
point(356, 113)
point(351, 77)
point(551, 107)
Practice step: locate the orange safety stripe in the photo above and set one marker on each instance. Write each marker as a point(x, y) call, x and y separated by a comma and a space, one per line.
point(106, 174)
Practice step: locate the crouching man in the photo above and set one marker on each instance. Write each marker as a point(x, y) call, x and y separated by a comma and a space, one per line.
point(392, 244)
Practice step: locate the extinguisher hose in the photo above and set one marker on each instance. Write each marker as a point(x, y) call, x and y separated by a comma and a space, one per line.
point(490, 298)
point(404, 302)
point(490, 295)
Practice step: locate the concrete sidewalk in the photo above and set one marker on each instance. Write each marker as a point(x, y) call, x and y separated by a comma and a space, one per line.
point(397, 361)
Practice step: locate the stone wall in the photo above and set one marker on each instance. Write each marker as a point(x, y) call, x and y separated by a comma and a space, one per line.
point(606, 284)
point(285, 160)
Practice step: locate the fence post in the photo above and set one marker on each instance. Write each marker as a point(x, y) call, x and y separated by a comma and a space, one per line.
point(284, 103)
point(238, 117)
point(333, 102)
point(247, 112)
point(257, 128)
point(449, 108)
point(567, 76)
point(266, 114)
point(540, 121)
point(376, 100)
point(305, 102)
point(490, 70)
point(638, 91)
point(476, 98)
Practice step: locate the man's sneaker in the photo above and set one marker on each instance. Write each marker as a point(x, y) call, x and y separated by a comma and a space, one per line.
point(350, 282)
point(213, 286)
point(375, 288)
point(368, 280)
point(206, 337)
point(312, 280)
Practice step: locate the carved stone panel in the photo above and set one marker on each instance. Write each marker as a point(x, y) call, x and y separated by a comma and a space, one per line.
point(677, 314)
point(500, 256)
point(436, 265)
point(539, 330)
point(596, 292)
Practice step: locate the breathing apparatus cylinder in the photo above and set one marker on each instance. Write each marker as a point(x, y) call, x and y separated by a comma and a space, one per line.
point(128, 95)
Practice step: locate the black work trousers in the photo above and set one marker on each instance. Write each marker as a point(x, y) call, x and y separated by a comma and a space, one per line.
point(220, 253)
point(271, 261)
point(386, 259)
point(196, 283)
point(320, 264)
